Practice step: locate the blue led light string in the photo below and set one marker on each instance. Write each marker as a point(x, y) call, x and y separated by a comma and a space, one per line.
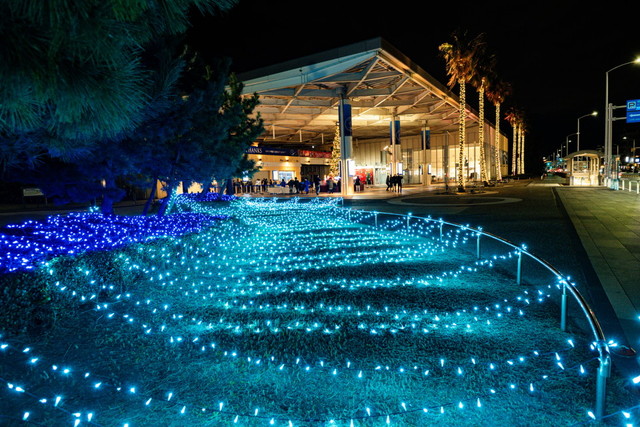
point(189, 247)
point(185, 406)
point(26, 245)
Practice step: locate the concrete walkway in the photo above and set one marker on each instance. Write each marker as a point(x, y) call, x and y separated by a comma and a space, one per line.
point(608, 224)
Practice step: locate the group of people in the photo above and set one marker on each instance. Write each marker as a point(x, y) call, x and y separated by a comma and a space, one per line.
point(249, 186)
point(304, 186)
point(394, 183)
point(295, 185)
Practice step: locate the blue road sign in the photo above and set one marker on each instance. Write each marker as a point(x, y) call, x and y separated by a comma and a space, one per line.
point(633, 111)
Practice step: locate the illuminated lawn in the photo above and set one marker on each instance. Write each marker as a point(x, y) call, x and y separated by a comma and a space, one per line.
point(293, 314)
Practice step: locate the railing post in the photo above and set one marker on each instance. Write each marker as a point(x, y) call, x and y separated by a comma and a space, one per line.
point(408, 218)
point(375, 214)
point(478, 245)
point(519, 274)
point(563, 307)
point(441, 225)
point(604, 371)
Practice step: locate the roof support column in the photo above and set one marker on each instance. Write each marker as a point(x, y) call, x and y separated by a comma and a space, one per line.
point(347, 165)
point(425, 137)
point(396, 151)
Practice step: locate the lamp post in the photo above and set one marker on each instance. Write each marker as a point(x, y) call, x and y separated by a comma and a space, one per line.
point(595, 113)
point(608, 119)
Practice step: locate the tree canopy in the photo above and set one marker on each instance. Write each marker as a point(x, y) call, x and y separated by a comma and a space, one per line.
point(73, 71)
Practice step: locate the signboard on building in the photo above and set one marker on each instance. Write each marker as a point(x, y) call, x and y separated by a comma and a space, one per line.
point(288, 152)
point(633, 111)
point(273, 151)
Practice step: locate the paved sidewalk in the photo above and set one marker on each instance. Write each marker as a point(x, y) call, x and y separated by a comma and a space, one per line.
point(608, 224)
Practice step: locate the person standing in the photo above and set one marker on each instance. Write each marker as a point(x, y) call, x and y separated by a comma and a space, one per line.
point(356, 184)
point(316, 184)
point(330, 185)
point(388, 182)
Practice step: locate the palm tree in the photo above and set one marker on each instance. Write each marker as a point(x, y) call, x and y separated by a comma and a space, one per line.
point(480, 80)
point(513, 117)
point(522, 129)
point(460, 58)
point(497, 91)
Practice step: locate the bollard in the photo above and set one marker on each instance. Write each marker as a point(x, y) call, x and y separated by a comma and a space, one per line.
point(441, 225)
point(563, 308)
point(478, 246)
point(601, 384)
point(519, 274)
point(408, 218)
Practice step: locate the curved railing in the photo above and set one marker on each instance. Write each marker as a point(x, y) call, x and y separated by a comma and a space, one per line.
point(465, 233)
point(602, 347)
point(409, 223)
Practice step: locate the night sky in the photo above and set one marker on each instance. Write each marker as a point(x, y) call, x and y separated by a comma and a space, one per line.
point(555, 57)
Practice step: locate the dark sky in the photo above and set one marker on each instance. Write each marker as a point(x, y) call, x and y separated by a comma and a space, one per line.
point(555, 55)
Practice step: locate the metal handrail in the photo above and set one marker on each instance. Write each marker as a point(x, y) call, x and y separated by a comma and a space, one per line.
point(600, 342)
point(604, 355)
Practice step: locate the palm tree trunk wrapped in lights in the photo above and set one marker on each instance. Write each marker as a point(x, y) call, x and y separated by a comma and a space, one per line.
point(497, 144)
point(461, 136)
point(461, 59)
point(514, 118)
point(485, 68)
point(497, 91)
point(483, 164)
point(522, 132)
point(517, 150)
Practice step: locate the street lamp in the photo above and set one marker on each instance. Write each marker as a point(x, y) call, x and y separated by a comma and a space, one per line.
point(608, 118)
point(595, 113)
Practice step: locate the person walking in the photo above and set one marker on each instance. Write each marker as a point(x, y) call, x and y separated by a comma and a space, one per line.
point(306, 185)
point(388, 182)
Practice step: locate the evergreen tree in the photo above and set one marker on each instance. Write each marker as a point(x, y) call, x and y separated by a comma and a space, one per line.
point(73, 74)
point(202, 136)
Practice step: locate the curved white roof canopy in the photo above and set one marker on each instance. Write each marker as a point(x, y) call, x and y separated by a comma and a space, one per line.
point(299, 98)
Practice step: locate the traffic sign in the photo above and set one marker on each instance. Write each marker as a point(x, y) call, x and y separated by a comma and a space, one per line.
point(633, 111)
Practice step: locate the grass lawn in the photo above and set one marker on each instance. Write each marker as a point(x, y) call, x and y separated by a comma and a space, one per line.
point(259, 314)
